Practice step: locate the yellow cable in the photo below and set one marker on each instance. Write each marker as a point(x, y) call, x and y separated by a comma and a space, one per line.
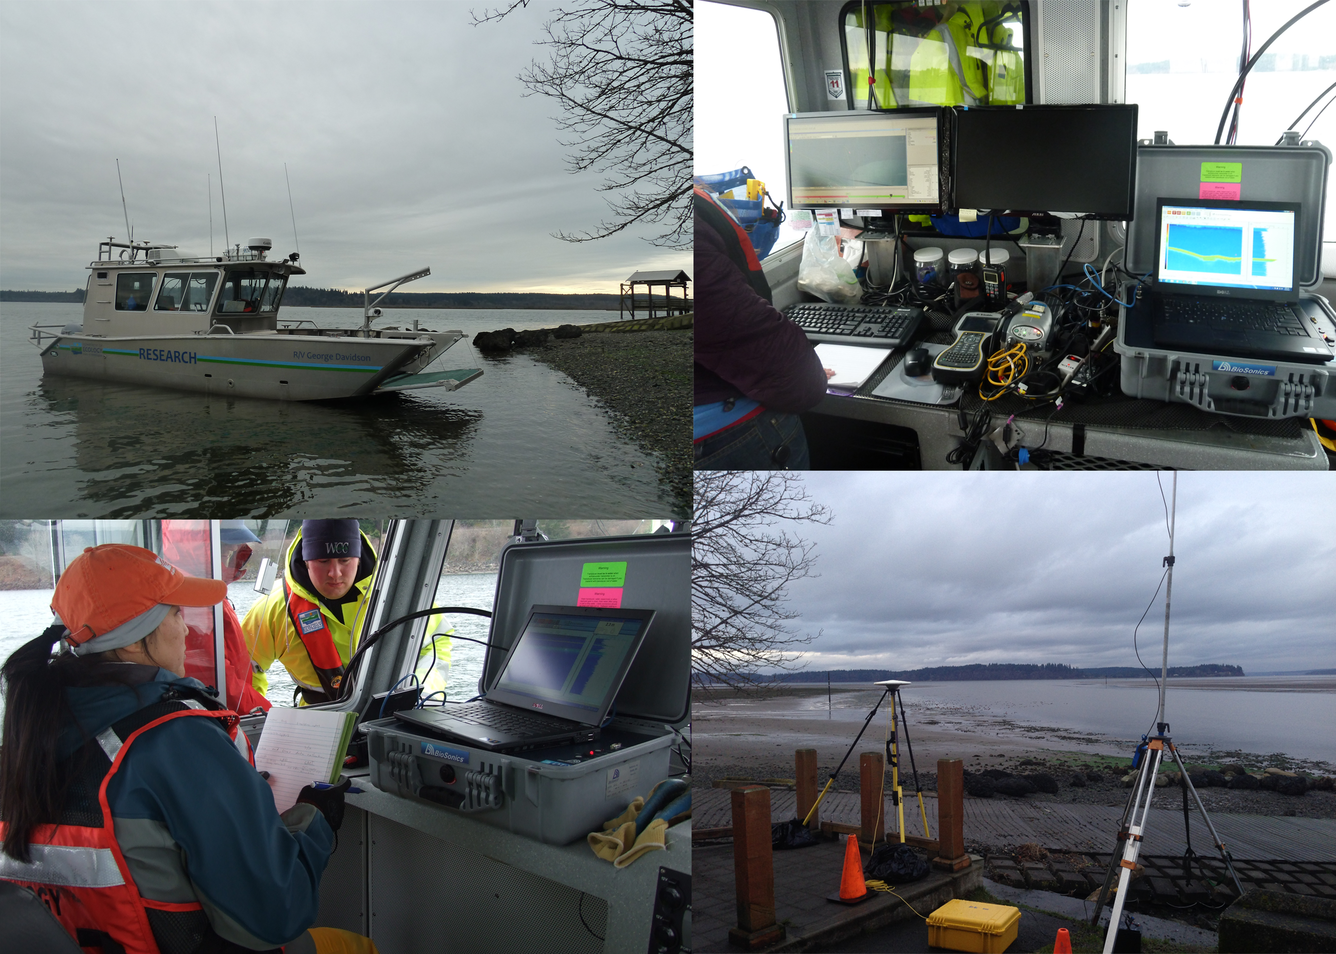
point(884, 887)
point(812, 811)
point(1004, 362)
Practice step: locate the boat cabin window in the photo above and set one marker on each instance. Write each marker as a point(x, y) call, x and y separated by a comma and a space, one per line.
point(133, 290)
point(244, 291)
point(955, 54)
point(186, 291)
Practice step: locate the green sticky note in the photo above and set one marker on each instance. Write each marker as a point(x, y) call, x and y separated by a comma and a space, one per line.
point(1222, 172)
point(603, 574)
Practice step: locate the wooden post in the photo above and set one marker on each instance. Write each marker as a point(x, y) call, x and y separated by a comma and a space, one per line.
point(754, 870)
point(804, 766)
point(871, 771)
point(951, 816)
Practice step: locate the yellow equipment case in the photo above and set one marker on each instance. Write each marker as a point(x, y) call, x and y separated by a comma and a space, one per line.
point(961, 925)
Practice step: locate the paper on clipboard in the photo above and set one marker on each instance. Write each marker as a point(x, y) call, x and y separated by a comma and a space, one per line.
point(301, 746)
point(852, 364)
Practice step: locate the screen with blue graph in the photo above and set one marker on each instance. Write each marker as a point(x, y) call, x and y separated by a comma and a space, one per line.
point(1235, 247)
point(572, 660)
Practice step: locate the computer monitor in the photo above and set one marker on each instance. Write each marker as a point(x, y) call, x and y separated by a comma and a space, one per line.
point(870, 161)
point(1228, 248)
point(569, 661)
point(1029, 160)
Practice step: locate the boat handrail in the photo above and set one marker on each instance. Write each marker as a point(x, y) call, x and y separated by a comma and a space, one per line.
point(212, 328)
point(297, 322)
point(38, 333)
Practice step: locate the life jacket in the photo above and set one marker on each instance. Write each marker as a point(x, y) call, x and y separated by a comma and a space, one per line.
point(308, 622)
point(737, 243)
point(78, 870)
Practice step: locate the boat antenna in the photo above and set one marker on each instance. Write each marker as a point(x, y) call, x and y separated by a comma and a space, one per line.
point(209, 179)
point(121, 182)
point(222, 191)
point(291, 212)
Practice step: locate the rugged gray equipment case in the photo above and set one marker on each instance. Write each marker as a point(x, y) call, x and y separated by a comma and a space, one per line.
point(1250, 387)
point(561, 803)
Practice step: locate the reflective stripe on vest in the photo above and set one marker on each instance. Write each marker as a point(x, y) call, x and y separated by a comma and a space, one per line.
point(308, 622)
point(78, 871)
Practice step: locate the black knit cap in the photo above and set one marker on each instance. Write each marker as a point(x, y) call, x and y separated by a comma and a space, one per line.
point(330, 539)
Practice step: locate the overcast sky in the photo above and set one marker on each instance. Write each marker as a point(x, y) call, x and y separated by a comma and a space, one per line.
point(407, 138)
point(923, 570)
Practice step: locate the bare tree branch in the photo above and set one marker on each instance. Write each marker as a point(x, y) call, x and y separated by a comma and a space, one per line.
point(740, 572)
point(621, 71)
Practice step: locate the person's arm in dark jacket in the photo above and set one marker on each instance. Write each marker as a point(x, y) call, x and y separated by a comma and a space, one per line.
point(744, 340)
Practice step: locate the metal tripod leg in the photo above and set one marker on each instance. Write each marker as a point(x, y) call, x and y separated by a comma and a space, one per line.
point(1146, 782)
point(1113, 858)
point(831, 780)
point(1220, 845)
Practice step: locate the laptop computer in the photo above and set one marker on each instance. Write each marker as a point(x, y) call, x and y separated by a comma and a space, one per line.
point(1225, 281)
point(559, 680)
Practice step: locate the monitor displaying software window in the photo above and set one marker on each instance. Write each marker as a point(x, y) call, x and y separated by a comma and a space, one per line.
point(1219, 246)
point(874, 160)
point(571, 660)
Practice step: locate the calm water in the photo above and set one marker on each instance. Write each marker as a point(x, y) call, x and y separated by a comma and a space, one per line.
point(1205, 714)
point(522, 438)
point(28, 612)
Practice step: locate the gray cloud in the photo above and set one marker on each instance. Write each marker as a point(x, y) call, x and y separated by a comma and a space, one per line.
point(931, 569)
point(405, 131)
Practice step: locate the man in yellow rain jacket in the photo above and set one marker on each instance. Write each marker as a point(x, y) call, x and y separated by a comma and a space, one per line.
point(312, 620)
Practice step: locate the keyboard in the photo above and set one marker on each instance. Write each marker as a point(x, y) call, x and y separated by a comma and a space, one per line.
point(497, 717)
point(877, 325)
point(1259, 316)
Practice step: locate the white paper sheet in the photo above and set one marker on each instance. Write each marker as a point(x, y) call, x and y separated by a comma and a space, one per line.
point(298, 747)
point(852, 364)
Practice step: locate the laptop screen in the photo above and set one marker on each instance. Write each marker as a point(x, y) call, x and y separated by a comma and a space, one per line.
point(1234, 249)
point(570, 661)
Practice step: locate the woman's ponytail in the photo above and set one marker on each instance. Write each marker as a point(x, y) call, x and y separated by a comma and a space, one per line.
point(31, 783)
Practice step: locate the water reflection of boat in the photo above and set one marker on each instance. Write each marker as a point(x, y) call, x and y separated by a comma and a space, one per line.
point(211, 324)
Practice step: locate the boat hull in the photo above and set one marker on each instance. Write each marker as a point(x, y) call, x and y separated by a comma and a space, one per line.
point(289, 367)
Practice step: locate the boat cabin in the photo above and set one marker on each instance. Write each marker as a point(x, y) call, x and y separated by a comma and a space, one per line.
point(955, 157)
point(163, 293)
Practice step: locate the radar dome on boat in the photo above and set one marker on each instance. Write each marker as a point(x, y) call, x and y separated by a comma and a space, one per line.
point(259, 244)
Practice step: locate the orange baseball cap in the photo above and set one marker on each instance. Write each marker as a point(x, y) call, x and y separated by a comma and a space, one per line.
point(107, 586)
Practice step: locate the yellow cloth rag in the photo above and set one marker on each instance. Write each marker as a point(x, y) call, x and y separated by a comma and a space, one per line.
point(617, 842)
point(338, 941)
point(630, 815)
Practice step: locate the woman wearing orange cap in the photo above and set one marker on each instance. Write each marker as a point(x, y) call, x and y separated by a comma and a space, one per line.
point(128, 803)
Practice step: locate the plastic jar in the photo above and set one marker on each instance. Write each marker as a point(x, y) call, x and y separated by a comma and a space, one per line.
point(964, 264)
point(995, 275)
point(930, 266)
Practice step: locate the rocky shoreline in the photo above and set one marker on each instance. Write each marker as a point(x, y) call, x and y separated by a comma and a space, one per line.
point(644, 377)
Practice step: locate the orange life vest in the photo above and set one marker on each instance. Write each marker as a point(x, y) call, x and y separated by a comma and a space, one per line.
point(308, 622)
point(78, 870)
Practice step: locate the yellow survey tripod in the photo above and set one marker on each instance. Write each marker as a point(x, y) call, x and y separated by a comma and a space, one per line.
point(890, 687)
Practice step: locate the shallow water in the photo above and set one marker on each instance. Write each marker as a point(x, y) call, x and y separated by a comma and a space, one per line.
point(1264, 715)
point(522, 438)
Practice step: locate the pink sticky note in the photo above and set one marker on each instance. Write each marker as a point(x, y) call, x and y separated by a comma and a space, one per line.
point(1220, 190)
point(610, 596)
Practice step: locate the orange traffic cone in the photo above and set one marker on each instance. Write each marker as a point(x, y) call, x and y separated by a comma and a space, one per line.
point(852, 886)
point(1062, 944)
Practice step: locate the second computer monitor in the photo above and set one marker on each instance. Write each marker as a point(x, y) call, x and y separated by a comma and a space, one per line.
point(865, 160)
point(1034, 159)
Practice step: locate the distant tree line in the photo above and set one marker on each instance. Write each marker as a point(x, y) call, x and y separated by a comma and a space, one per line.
point(77, 295)
point(300, 296)
point(993, 671)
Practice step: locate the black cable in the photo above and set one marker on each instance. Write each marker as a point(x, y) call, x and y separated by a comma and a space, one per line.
point(1057, 279)
point(1252, 61)
point(1166, 508)
point(371, 640)
point(1315, 119)
point(1243, 59)
point(1305, 112)
point(582, 917)
point(1138, 652)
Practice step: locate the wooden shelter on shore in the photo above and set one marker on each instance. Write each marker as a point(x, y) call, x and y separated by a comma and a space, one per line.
point(646, 304)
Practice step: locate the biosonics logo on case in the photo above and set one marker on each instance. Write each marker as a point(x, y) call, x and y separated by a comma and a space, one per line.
point(442, 752)
point(1233, 367)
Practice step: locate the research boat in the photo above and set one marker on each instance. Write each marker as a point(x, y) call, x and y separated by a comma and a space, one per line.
point(155, 317)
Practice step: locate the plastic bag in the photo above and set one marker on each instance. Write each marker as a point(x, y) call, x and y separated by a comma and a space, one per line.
point(791, 834)
point(896, 864)
point(825, 274)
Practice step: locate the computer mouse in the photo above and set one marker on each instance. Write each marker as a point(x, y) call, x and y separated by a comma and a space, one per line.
point(917, 362)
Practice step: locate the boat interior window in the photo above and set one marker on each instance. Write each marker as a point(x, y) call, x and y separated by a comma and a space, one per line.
point(199, 290)
point(133, 290)
point(242, 291)
point(942, 55)
point(170, 294)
